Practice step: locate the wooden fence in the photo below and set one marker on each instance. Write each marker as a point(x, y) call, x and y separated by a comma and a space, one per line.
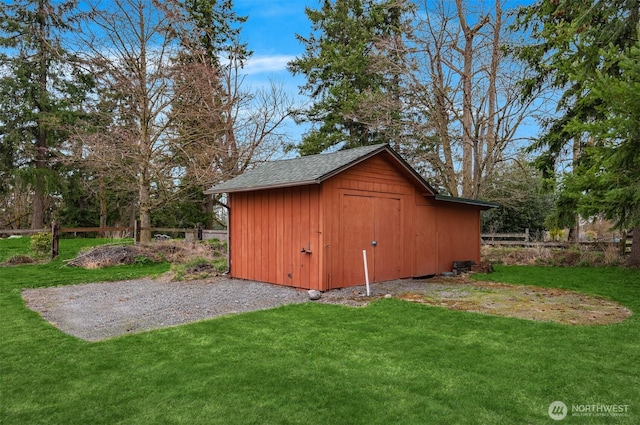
point(524, 240)
point(505, 238)
point(191, 234)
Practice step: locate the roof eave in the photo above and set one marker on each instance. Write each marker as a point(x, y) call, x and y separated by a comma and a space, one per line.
point(214, 191)
point(482, 204)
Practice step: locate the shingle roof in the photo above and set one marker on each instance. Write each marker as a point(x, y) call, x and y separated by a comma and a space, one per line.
point(314, 169)
point(311, 169)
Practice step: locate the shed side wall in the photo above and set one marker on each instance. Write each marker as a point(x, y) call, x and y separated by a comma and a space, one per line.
point(269, 230)
point(458, 234)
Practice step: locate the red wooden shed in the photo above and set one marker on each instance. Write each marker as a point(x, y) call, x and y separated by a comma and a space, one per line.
point(304, 222)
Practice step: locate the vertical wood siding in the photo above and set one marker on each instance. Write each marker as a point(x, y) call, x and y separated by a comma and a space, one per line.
point(425, 252)
point(458, 234)
point(370, 201)
point(269, 230)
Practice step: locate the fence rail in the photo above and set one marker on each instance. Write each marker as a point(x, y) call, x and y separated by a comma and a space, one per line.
point(195, 233)
point(523, 240)
point(505, 238)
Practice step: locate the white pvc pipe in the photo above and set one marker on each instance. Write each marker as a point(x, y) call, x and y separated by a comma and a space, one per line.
point(366, 269)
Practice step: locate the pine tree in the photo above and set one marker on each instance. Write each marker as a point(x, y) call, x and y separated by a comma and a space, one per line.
point(589, 51)
point(38, 95)
point(348, 67)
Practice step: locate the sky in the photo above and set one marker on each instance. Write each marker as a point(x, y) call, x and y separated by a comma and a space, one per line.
point(270, 32)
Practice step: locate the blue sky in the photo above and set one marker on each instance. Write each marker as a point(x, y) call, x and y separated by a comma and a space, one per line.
point(270, 33)
point(271, 28)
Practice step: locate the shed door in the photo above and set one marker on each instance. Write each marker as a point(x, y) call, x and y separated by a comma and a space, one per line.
point(370, 223)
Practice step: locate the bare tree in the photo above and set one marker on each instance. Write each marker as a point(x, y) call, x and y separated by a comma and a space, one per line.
point(128, 47)
point(173, 113)
point(462, 83)
point(220, 127)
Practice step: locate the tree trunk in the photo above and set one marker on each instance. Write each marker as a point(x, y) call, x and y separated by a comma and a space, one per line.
point(103, 206)
point(469, 142)
point(634, 258)
point(37, 208)
point(487, 158)
point(207, 207)
point(37, 217)
point(467, 120)
point(145, 210)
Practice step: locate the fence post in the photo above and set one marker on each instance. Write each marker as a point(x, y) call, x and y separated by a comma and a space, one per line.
point(199, 231)
point(622, 243)
point(136, 231)
point(55, 240)
point(526, 234)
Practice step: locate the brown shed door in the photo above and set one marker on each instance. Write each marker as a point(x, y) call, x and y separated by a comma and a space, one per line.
point(370, 223)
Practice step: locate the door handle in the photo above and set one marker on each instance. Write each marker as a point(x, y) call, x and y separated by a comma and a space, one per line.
point(374, 243)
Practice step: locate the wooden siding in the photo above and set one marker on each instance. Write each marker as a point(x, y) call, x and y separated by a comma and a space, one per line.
point(270, 229)
point(312, 236)
point(425, 252)
point(369, 201)
point(458, 234)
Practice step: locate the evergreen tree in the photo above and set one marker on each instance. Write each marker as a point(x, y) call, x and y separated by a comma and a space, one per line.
point(348, 63)
point(606, 180)
point(205, 143)
point(39, 92)
point(589, 51)
point(565, 53)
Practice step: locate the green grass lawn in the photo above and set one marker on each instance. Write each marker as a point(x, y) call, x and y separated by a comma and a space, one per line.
point(392, 362)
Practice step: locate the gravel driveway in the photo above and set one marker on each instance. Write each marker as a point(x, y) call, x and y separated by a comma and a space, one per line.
point(100, 311)
point(104, 310)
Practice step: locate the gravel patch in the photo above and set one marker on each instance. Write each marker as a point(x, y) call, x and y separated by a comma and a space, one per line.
point(98, 311)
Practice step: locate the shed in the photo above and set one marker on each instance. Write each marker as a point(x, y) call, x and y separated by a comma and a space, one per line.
point(305, 222)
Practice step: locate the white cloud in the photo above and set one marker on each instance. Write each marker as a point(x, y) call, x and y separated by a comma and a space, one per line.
point(258, 64)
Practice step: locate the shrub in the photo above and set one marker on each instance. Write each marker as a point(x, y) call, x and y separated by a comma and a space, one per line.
point(546, 256)
point(217, 245)
point(611, 256)
point(41, 243)
point(198, 268)
point(591, 235)
point(143, 260)
point(20, 259)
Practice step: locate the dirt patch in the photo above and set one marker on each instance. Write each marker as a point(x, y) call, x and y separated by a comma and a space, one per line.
point(525, 302)
point(18, 260)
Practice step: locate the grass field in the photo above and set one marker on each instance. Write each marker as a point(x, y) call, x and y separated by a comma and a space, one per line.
point(391, 362)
